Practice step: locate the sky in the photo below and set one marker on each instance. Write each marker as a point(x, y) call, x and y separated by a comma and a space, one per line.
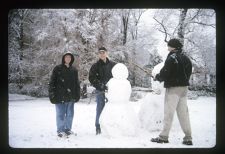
point(148, 21)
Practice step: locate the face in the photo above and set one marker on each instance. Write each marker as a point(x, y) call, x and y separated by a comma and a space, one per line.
point(170, 48)
point(67, 59)
point(102, 55)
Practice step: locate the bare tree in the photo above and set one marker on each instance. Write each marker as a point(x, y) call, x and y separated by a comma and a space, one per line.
point(136, 16)
point(125, 16)
point(181, 27)
point(193, 26)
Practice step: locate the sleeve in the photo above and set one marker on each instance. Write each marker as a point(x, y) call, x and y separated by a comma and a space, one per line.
point(167, 70)
point(188, 67)
point(77, 86)
point(52, 86)
point(93, 76)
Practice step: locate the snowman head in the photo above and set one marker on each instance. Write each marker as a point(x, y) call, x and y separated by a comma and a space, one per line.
point(120, 71)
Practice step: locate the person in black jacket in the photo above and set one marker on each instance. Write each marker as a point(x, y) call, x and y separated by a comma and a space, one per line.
point(175, 73)
point(64, 91)
point(99, 75)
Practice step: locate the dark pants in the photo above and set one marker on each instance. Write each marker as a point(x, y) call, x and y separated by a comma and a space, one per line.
point(100, 98)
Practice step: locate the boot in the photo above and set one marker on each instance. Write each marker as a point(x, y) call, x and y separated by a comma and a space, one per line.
point(159, 140)
point(98, 131)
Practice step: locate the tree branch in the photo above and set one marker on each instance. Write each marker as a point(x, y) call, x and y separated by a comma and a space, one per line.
point(204, 24)
point(164, 28)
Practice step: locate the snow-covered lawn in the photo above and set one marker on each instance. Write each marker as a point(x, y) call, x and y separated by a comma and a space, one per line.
point(32, 124)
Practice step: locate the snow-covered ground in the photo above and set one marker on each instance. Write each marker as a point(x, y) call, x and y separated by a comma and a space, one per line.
point(32, 124)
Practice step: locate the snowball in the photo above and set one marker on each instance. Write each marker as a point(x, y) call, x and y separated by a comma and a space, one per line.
point(120, 71)
point(156, 85)
point(157, 68)
point(64, 39)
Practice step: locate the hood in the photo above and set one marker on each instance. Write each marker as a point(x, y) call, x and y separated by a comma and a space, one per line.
point(72, 58)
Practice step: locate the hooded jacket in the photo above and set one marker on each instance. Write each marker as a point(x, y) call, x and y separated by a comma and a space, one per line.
point(64, 84)
point(176, 70)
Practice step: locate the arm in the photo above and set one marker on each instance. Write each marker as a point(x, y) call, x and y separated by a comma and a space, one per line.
point(168, 69)
point(94, 79)
point(77, 87)
point(188, 67)
point(93, 76)
point(52, 86)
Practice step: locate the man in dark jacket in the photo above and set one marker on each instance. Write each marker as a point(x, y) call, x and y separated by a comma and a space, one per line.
point(64, 91)
point(175, 73)
point(99, 75)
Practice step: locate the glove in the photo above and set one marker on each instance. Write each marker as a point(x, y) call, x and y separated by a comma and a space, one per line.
point(157, 78)
point(75, 100)
point(102, 87)
point(52, 98)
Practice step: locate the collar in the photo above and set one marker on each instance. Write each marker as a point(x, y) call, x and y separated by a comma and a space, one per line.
point(102, 62)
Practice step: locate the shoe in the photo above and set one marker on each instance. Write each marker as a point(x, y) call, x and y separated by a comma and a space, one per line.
point(187, 142)
point(159, 140)
point(69, 132)
point(98, 131)
point(61, 134)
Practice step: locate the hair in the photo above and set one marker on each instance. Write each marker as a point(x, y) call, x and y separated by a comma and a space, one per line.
point(175, 43)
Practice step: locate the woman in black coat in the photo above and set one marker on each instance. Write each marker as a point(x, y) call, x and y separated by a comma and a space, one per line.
point(64, 91)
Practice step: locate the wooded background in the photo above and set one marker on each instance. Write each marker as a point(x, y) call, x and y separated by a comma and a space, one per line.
point(37, 39)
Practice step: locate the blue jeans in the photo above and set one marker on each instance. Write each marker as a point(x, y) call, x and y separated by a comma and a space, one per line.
point(64, 116)
point(100, 98)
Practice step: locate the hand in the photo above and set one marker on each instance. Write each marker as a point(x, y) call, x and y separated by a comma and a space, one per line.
point(52, 97)
point(76, 100)
point(102, 87)
point(158, 78)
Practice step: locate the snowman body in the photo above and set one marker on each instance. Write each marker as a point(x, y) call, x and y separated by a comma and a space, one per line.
point(118, 117)
point(152, 109)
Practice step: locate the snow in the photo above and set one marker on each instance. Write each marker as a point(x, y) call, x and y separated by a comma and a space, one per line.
point(151, 112)
point(125, 124)
point(118, 117)
point(120, 71)
point(32, 124)
point(119, 88)
point(157, 87)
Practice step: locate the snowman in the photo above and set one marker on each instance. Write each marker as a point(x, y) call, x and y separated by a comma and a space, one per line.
point(151, 110)
point(118, 117)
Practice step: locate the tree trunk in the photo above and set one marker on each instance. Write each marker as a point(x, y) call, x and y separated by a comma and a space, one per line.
point(125, 20)
point(181, 29)
point(125, 27)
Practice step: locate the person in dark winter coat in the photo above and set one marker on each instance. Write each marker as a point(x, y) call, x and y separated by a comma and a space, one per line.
point(175, 73)
point(64, 91)
point(99, 75)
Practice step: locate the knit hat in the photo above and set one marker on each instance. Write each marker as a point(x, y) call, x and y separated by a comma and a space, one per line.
point(175, 43)
point(102, 49)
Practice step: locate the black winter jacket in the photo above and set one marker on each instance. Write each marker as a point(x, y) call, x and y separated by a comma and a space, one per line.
point(64, 84)
point(176, 70)
point(100, 73)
